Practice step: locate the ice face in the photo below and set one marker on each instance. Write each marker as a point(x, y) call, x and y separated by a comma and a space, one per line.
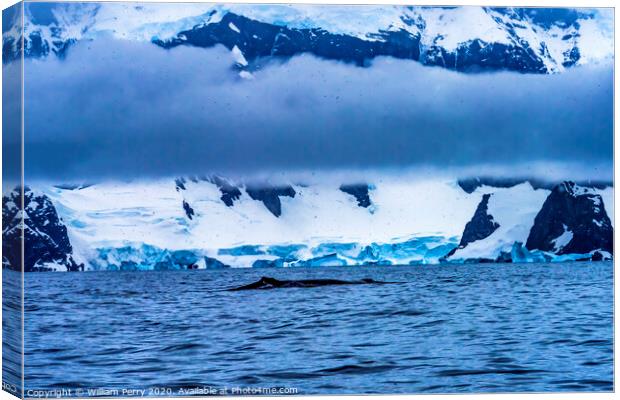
point(137, 256)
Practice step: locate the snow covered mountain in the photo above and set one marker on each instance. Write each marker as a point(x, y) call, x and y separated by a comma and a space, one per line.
point(572, 220)
point(530, 40)
point(521, 224)
point(214, 222)
point(45, 236)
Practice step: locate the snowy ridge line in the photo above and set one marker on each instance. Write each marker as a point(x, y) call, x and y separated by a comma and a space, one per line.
point(543, 41)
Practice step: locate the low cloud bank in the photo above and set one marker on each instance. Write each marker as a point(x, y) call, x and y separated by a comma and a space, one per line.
point(123, 109)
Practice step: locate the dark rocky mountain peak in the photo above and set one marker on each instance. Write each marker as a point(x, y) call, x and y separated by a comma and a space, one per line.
point(44, 234)
point(572, 220)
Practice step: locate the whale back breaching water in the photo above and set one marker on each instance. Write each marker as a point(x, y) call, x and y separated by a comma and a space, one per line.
point(266, 282)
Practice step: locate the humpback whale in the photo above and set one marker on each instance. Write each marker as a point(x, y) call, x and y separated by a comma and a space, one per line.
point(271, 283)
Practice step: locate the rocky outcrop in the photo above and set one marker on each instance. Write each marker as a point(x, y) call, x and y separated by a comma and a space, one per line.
point(572, 220)
point(230, 193)
point(189, 211)
point(46, 243)
point(479, 227)
point(359, 191)
point(270, 196)
point(179, 184)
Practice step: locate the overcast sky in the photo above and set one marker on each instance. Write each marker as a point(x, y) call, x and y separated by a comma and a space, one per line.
point(128, 109)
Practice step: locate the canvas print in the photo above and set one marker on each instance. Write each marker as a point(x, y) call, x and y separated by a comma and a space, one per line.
point(259, 199)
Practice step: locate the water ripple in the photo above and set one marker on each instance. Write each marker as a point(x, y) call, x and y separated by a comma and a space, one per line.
point(450, 329)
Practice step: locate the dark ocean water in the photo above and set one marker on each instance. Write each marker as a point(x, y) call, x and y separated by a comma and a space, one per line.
point(447, 329)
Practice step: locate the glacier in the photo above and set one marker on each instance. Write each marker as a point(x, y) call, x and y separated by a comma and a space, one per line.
point(141, 256)
point(144, 224)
